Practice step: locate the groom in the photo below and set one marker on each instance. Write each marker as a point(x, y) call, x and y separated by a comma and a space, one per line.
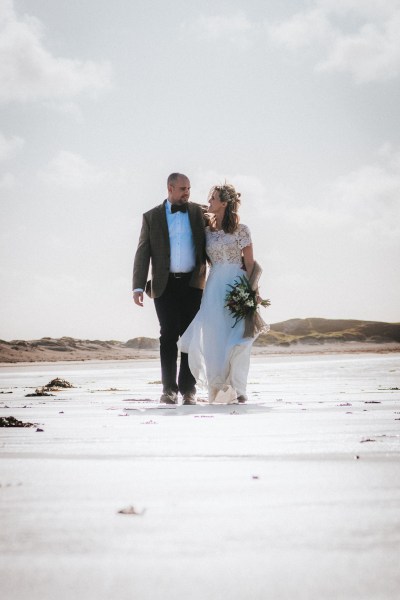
point(173, 239)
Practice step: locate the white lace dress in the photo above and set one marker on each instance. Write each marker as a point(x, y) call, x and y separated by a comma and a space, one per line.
point(219, 355)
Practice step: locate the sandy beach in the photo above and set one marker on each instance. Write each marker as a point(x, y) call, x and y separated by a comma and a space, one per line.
point(294, 495)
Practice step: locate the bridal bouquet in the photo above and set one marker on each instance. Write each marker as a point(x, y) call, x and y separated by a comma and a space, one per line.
point(241, 300)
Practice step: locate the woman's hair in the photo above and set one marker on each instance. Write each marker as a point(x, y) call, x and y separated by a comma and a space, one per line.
point(228, 194)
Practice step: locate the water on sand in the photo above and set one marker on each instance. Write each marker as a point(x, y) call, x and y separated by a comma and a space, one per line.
point(294, 495)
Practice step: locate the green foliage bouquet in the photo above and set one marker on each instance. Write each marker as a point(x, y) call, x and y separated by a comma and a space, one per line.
point(241, 300)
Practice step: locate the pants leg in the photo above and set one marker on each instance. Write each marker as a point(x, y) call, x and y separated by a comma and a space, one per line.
point(190, 304)
point(175, 310)
point(169, 334)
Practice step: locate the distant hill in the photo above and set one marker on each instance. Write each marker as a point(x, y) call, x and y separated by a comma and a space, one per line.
point(66, 348)
point(143, 343)
point(322, 331)
point(295, 333)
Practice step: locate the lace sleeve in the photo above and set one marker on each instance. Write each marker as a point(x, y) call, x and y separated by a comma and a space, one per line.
point(244, 236)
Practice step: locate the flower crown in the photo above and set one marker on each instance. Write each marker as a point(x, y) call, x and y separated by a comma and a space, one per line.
point(228, 194)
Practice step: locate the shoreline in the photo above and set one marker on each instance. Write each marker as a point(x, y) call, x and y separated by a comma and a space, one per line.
point(48, 357)
point(308, 336)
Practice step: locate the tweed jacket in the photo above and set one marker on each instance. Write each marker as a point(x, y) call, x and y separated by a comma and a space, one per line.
point(154, 246)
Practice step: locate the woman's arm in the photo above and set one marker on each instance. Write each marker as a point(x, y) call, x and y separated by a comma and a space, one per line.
point(248, 259)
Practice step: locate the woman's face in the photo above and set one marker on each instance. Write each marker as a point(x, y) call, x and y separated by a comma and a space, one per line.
point(215, 206)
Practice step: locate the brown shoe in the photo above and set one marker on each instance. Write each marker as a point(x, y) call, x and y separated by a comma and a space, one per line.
point(169, 398)
point(189, 399)
point(242, 399)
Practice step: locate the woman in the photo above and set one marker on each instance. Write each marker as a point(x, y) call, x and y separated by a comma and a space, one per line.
point(219, 354)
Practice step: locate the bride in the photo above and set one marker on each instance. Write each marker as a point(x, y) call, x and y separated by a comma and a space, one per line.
point(219, 354)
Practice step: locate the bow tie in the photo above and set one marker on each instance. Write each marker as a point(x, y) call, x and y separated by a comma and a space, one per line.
point(178, 208)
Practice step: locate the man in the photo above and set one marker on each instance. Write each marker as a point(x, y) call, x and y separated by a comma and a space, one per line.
point(173, 239)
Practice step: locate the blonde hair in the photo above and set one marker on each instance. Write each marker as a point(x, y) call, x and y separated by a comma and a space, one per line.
point(228, 194)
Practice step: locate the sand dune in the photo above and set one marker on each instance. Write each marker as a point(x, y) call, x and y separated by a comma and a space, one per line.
point(295, 336)
point(322, 331)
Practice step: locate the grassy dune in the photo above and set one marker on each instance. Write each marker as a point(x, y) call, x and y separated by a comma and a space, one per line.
point(321, 331)
point(295, 333)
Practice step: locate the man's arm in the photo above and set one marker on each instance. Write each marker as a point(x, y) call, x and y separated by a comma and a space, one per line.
point(141, 263)
point(204, 209)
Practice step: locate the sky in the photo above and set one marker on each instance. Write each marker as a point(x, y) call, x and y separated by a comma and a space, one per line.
point(295, 103)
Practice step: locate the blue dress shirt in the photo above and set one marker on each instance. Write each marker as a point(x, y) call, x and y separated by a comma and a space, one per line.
point(183, 257)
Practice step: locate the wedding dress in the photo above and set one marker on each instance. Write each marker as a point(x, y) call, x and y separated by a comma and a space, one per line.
point(219, 355)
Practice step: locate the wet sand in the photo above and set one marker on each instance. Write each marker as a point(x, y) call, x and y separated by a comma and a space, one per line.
point(294, 495)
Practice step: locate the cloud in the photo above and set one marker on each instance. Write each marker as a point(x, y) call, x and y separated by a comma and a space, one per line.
point(368, 197)
point(29, 72)
point(332, 251)
point(234, 27)
point(356, 37)
point(360, 206)
point(372, 54)
point(301, 30)
point(9, 146)
point(73, 172)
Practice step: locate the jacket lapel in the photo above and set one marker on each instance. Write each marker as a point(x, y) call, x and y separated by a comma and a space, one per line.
point(196, 225)
point(163, 222)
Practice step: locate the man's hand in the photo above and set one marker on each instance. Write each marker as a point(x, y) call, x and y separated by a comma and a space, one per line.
point(206, 214)
point(138, 298)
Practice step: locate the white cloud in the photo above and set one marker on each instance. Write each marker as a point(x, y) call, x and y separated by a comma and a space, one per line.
point(10, 146)
point(303, 29)
point(234, 27)
point(372, 54)
point(29, 72)
point(368, 198)
point(360, 205)
point(356, 37)
point(332, 252)
point(72, 171)
point(365, 198)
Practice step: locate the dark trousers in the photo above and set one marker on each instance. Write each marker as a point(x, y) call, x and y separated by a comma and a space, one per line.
point(176, 308)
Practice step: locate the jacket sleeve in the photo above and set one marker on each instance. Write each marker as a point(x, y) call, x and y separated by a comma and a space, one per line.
point(142, 257)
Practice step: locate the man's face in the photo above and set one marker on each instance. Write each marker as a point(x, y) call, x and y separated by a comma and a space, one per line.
point(179, 192)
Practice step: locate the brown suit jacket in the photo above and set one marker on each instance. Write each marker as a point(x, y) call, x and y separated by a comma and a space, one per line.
point(154, 246)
